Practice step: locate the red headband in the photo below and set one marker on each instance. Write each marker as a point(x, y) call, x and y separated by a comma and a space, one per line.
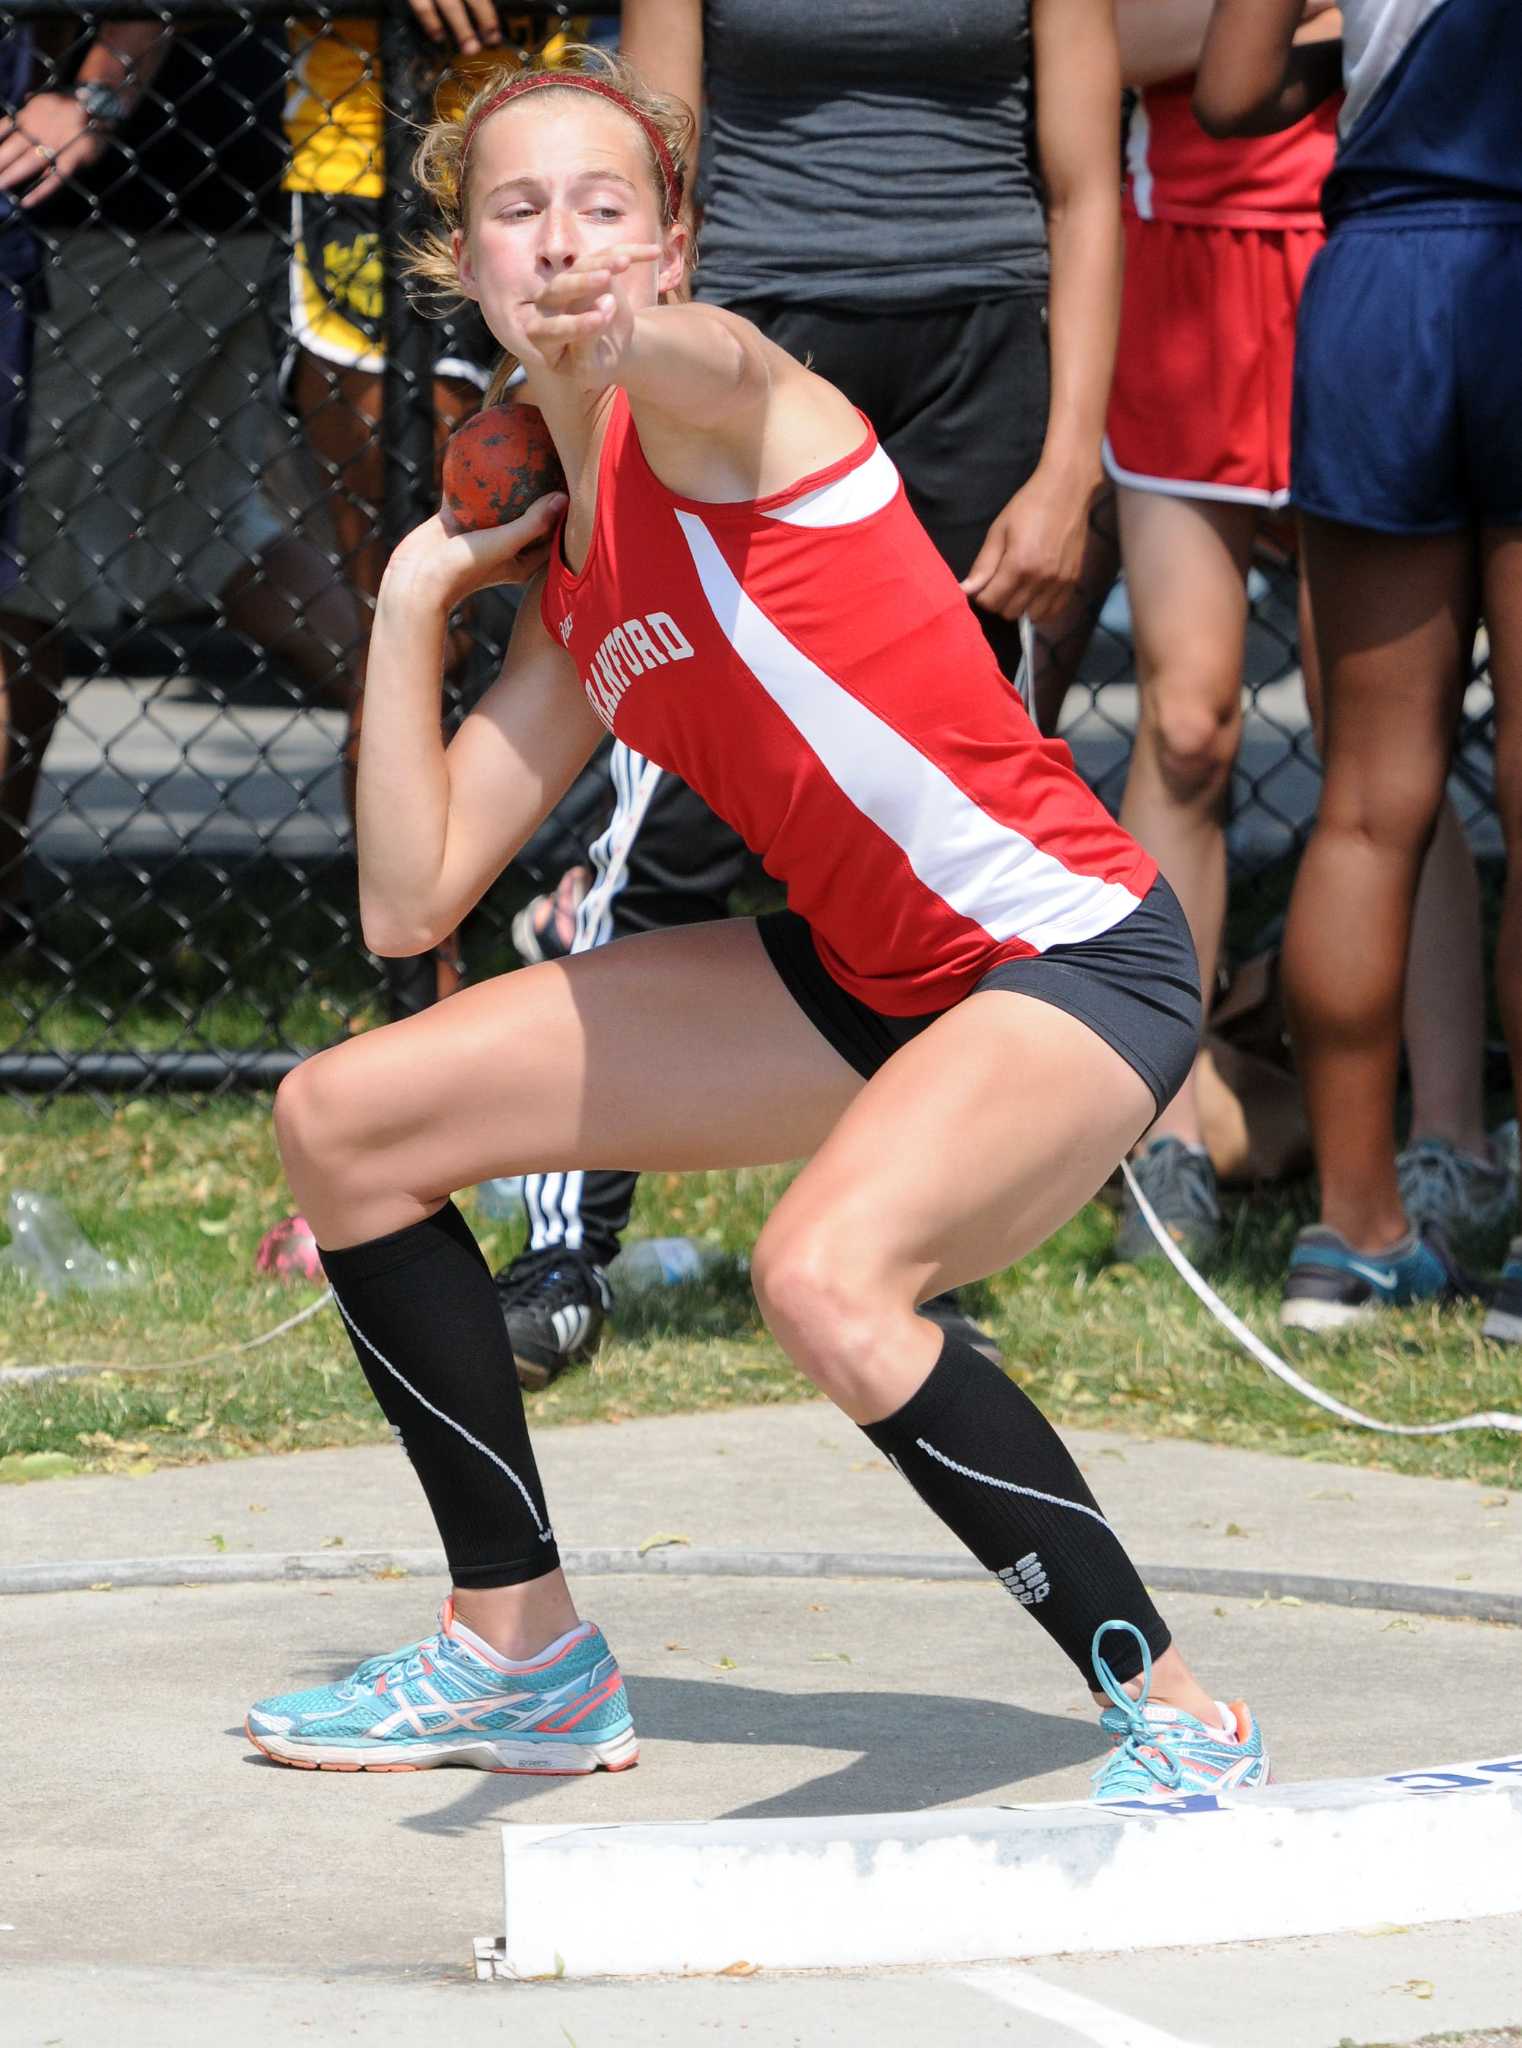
point(582, 83)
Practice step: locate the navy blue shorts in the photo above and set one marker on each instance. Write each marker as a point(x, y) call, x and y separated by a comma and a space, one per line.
point(1408, 376)
point(1137, 986)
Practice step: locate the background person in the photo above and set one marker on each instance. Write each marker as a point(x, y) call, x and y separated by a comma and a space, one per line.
point(1407, 476)
point(46, 137)
point(1219, 236)
point(887, 198)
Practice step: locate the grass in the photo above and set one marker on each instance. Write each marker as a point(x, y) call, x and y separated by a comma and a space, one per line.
point(184, 1189)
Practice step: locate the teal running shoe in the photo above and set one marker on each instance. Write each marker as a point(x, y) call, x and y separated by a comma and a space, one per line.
point(450, 1699)
point(1330, 1285)
point(1162, 1753)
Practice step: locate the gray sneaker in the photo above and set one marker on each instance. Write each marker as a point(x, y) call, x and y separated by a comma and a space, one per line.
point(1180, 1184)
point(1462, 1195)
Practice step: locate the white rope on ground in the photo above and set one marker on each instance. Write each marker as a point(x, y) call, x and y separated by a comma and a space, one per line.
point(31, 1375)
point(1492, 1418)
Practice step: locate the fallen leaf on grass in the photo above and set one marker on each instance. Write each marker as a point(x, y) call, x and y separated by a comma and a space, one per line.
point(214, 1226)
point(662, 1540)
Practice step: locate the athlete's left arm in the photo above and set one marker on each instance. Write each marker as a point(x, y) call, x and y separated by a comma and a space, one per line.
point(1031, 560)
point(1266, 64)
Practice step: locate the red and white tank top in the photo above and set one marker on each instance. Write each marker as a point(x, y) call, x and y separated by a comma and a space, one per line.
point(1176, 172)
point(808, 665)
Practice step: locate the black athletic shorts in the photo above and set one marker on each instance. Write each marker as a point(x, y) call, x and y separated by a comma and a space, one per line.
point(1137, 985)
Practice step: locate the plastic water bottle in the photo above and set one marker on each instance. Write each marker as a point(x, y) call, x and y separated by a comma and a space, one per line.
point(501, 1199)
point(653, 1262)
point(49, 1250)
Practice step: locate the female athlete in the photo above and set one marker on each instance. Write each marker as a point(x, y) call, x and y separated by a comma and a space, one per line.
point(980, 994)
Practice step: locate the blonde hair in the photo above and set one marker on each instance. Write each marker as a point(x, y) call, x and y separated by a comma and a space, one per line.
point(440, 162)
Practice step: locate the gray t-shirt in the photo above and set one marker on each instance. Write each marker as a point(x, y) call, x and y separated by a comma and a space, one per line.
point(870, 154)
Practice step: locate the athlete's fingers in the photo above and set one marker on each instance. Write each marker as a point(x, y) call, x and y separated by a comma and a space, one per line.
point(568, 327)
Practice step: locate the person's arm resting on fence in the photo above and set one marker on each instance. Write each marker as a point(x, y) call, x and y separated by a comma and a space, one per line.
point(1033, 555)
point(1266, 64)
point(436, 826)
point(54, 135)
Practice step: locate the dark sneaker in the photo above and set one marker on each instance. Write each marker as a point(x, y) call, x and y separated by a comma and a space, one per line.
point(945, 1311)
point(1180, 1184)
point(1462, 1195)
point(546, 928)
point(1503, 1321)
point(554, 1303)
point(1329, 1284)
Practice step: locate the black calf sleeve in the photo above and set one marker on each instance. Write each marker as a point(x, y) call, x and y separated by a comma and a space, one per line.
point(423, 1317)
point(983, 1457)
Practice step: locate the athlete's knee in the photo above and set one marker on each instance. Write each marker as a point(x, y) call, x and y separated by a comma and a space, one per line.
point(1193, 724)
point(319, 1111)
point(821, 1304)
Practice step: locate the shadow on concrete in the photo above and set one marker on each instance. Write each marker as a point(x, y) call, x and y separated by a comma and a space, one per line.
point(903, 1751)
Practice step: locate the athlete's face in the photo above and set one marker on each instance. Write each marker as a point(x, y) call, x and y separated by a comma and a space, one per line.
point(553, 178)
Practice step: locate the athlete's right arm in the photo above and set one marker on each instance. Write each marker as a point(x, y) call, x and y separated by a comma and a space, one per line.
point(437, 825)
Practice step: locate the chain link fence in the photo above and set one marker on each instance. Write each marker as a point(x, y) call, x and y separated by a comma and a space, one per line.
point(221, 413)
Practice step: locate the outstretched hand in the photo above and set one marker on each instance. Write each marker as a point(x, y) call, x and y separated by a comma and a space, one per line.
point(48, 140)
point(451, 564)
point(581, 325)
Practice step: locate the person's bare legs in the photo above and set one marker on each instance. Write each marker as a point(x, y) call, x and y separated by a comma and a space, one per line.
point(1391, 617)
point(1501, 568)
point(936, 1175)
point(944, 1175)
point(1186, 574)
point(1443, 1018)
point(31, 697)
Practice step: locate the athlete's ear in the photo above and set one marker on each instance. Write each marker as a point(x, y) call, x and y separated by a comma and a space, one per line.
point(676, 242)
point(459, 249)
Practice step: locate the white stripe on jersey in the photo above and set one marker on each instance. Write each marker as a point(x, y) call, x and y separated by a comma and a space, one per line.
point(986, 871)
point(849, 499)
point(1138, 161)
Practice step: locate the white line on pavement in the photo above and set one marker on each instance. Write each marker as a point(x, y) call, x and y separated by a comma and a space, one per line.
point(1101, 2024)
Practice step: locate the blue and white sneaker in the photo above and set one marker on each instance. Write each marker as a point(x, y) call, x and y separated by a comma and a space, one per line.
point(1162, 1753)
point(1330, 1285)
point(450, 1699)
point(1503, 1320)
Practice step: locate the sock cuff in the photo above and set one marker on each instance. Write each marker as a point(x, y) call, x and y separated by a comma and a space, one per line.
point(402, 1247)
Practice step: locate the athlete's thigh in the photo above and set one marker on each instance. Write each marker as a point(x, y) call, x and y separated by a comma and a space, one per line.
point(679, 1050)
point(1186, 565)
point(1394, 617)
point(976, 1141)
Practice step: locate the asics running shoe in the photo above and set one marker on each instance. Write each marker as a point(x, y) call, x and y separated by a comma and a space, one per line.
point(1461, 1195)
point(450, 1699)
point(1329, 1284)
point(545, 929)
point(1162, 1753)
point(554, 1303)
point(1179, 1181)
